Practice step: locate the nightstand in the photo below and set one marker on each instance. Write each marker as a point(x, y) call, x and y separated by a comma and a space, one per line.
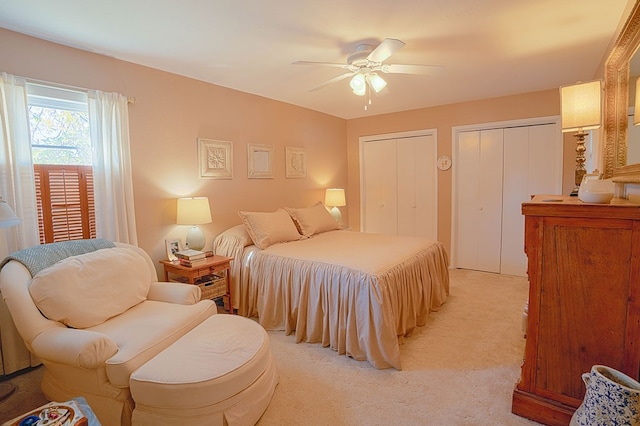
point(209, 276)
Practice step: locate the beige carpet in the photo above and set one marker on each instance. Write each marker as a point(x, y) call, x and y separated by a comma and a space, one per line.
point(460, 369)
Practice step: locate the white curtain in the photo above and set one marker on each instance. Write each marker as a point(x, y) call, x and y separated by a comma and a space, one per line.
point(112, 177)
point(17, 185)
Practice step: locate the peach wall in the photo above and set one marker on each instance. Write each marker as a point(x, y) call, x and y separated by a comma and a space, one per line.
point(170, 113)
point(443, 118)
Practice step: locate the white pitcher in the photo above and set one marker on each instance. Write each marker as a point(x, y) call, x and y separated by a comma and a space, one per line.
point(612, 398)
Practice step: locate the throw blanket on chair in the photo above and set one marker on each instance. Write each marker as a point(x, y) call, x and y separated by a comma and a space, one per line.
point(40, 257)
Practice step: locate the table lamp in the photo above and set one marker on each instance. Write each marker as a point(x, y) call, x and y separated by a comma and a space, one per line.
point(334, 198)
point(194, 211)
point(7, 217)
point(580, 110)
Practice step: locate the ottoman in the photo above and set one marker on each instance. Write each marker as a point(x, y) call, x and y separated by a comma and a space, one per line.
point(220, 373)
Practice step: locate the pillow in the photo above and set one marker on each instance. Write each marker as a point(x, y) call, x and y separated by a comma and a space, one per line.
point(86, 290)
point(267, 229)
point(313, 220)
point(237, 234)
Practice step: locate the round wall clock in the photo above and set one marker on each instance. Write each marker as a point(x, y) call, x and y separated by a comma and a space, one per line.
point(444, 162)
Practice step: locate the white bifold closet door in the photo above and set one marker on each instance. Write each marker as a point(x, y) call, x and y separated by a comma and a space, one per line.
point(498, 170)
point(400, 186)
point(480, 157)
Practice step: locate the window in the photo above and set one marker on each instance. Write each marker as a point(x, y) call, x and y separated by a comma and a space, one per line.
point(61, 153)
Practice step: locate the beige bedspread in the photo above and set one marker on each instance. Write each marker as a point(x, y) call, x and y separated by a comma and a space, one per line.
point(357, 293)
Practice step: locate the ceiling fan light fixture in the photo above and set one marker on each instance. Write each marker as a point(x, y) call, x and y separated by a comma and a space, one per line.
point(358, 84)
point(364, 64)
point(377, 82)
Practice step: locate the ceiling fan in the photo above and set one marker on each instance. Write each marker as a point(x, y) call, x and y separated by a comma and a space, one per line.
point(364, 64)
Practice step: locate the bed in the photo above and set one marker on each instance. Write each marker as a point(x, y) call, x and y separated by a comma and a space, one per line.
point(358, 293)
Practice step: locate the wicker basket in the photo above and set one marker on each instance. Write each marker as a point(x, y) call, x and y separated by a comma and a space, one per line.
point(213, 288)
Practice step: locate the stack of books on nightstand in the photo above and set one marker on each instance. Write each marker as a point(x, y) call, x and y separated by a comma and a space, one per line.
point(191, 257)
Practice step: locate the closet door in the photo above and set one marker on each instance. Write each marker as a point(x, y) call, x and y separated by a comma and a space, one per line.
point(379, 189)
point(479, 200)
point(530, 167)
point(416, 171)
point(399, 187)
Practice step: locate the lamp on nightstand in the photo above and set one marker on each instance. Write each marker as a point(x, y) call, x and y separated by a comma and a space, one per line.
point(194, 211)
point(580, 110)
point(334, 198)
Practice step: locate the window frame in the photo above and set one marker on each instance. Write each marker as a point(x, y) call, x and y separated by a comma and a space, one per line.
point(58, 219)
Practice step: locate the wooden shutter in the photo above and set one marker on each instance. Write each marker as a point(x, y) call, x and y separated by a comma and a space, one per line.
point(66, 209)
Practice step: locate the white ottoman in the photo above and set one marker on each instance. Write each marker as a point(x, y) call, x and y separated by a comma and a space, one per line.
point(221, 372)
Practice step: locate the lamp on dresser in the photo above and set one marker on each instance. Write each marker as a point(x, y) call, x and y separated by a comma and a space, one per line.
point(334, 198)
point(194, 211)
point(581, 111)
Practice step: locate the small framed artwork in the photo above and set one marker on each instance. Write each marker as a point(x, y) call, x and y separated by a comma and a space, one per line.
point(215, 159)
point(260, 161)
point(173, 246)
point(296, 162)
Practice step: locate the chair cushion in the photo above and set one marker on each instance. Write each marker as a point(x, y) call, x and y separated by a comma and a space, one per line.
point(85, 290)
point(146, 330)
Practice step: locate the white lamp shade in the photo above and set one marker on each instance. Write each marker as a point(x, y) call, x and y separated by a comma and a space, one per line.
point(7, 217)
point(581, 106)
point(334, 197)
point(358, 84)
point(377, 82)
point(193, 211)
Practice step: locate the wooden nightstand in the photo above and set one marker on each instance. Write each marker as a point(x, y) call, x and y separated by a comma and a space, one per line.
point(212, 266)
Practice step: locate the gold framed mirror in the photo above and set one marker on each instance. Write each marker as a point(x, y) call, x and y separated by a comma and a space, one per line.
point(617, 96)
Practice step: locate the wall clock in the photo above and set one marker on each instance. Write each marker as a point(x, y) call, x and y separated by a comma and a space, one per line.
point(444, 162)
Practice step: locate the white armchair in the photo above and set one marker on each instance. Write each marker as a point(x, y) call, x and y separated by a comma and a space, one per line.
point(93, 312)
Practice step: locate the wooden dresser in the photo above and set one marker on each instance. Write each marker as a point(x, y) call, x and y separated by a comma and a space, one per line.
point(584, 301)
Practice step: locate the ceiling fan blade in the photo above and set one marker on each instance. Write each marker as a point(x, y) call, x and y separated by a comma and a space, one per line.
point(333, 80)
point(324, 64)
point(412, 69)
point(385, 49)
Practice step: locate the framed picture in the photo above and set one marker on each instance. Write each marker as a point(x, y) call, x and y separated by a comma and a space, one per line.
point(296, 162)
point(260, 161)
point(215, 159)
point(173, 246)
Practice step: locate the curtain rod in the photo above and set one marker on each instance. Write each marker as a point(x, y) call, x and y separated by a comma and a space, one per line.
point(130, 99)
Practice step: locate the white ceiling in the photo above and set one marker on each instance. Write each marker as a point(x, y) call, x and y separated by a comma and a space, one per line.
point(489, 48)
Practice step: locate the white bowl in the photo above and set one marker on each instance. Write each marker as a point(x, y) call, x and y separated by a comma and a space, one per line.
point(595, 197)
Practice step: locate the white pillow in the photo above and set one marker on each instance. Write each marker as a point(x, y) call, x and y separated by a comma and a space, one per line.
point(313, 220)
point(267, 229)
point(235, 234)
point(86, 290)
